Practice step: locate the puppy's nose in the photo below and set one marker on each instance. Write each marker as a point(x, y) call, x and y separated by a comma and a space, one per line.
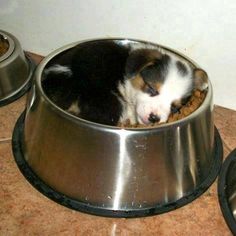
point(153, 118)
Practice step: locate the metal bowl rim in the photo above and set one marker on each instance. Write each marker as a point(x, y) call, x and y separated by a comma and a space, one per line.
point(11, 40)
point(64, 114)
point(221, 191)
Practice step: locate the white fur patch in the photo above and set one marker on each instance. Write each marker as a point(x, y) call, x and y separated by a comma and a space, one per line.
point(175, 85)
point(57, 69)
point(129, 93)
point(74, 108)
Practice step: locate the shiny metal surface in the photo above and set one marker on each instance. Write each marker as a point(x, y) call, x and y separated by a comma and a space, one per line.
point(227, 190)
point(113, 168)
point(15, 68)
point(232, 200)
point(231, 185)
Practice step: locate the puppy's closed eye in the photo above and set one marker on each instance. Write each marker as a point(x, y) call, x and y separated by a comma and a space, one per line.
point(151, 91)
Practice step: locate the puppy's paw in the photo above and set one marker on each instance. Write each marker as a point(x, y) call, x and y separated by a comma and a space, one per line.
point(200, 79)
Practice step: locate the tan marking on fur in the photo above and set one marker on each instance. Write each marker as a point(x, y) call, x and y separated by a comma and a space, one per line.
point(158, 86)
point(200, 79)
point(138, 82)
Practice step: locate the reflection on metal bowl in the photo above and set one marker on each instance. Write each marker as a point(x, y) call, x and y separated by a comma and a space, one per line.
point(110, 171)
point(227, 191)
point(16, 70)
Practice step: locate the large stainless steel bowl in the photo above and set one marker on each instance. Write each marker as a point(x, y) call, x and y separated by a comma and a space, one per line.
point(16, 70)
point(111, 171)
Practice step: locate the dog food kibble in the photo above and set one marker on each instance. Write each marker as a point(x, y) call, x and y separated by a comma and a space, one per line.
point(192, 104)
point(3, 47)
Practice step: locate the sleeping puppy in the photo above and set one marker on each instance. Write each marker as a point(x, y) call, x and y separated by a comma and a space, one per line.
point(110, 83)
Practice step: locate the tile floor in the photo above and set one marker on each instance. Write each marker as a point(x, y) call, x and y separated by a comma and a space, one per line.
point(25, 211)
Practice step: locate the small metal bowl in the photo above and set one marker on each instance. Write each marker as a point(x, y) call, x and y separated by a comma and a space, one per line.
point(16, 70)
point(110, 171)
point(227, 191)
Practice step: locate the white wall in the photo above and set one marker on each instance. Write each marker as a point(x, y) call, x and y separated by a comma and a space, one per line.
point(204, 30)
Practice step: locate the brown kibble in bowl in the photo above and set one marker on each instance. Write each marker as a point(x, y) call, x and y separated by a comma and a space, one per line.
point(3, 46)
point(194, 102)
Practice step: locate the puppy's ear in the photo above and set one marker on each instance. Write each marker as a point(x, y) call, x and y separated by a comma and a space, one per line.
point(200, 78)
point(140, 59)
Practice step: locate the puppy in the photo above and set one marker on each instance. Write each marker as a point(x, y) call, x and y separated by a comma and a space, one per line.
point(110, 83)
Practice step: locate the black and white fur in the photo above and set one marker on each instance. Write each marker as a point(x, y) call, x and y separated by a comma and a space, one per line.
point(110, 83)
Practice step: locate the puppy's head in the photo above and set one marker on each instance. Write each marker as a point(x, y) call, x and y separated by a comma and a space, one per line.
point(159, 81)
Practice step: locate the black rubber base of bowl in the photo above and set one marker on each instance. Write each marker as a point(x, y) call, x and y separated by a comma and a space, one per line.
point(223, 199)
point(24, 89)
point(87, 208)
